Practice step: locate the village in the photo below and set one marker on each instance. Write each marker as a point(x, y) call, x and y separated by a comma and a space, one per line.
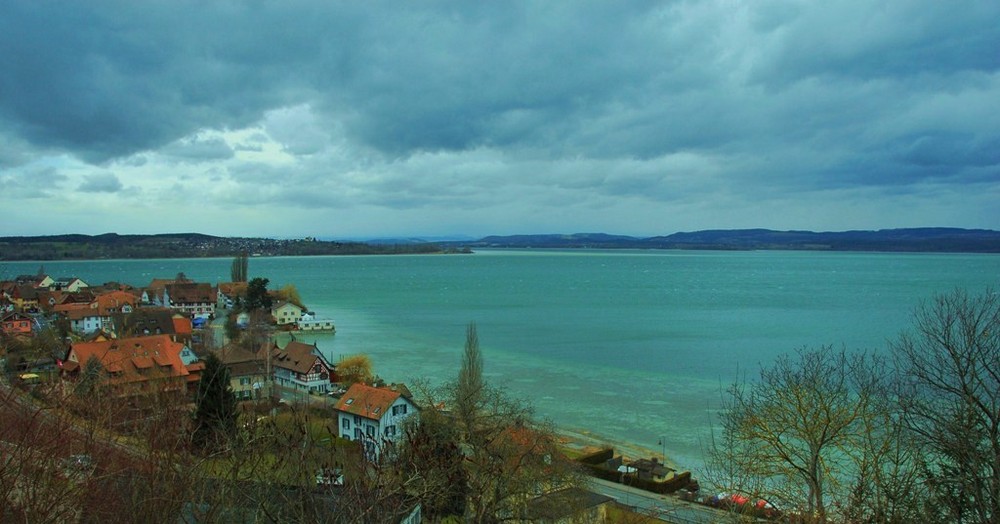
point(148, 350)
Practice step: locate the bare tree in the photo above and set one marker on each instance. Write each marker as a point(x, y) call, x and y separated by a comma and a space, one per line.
point(951, 402)
point(791, 437)
point(239, 270)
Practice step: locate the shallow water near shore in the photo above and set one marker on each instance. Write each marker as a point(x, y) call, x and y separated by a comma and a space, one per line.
point(634, 346)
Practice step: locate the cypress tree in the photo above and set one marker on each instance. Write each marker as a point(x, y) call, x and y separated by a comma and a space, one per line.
point(215, 408)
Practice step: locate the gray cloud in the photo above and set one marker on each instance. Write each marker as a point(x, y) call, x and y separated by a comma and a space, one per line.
point(196, 150)
point(101, 183)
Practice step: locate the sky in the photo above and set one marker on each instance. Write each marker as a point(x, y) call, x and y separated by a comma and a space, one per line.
point(424, 119)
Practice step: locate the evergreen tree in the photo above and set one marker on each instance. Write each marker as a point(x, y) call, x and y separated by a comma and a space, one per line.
point(215, 407)
point(257, 297)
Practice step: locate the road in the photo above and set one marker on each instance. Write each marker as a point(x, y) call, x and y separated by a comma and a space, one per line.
point(663, 507)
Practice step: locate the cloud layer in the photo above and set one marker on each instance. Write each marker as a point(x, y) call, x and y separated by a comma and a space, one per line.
point(367, 119)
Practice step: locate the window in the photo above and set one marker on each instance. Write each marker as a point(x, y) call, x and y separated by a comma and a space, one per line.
point(371, 430)
point(390, 431)
point(345, 423)
point(357, 433)
point(399, 410)
point(357, 420)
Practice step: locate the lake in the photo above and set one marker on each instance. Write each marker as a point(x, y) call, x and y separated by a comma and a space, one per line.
point(632, 345)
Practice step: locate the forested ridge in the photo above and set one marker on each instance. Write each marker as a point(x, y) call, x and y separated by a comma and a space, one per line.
point(185, 245)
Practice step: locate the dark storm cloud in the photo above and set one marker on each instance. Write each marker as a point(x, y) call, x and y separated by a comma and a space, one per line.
point(650, 99)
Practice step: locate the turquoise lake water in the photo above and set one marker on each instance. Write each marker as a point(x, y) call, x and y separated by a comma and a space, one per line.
point(632, 345)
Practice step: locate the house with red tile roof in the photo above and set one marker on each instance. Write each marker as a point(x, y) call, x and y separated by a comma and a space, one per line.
point(372, 416)
point(137, 365)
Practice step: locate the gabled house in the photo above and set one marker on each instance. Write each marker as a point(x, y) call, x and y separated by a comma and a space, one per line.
point(16, 324)
point(285, 313)
point(138, 365)
point(372, 416)
point(24, 297)
point(113, 302)
point(35, 281)
point(69, 284)
point(300, 366)
point(248, 373)
point(155, 296)
point(85, 320)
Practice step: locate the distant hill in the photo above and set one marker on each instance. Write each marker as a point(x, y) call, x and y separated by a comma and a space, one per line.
point(907, 240)
point(186, 245)
point(195, 245)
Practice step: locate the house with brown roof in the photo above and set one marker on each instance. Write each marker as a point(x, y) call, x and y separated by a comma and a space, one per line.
point(192, 298)
point(248, 372)
point(372, 416)
point(300, 366)
point(137, 365)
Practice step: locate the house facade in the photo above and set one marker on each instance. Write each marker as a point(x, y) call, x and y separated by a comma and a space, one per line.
point(301, 367)
point(286, 313)
point(68, 284)
point(373, 416)
point(193, 299)
point(248, 374)
point(15, 324)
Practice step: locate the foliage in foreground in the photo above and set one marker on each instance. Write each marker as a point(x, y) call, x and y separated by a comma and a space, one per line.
point(833, 436)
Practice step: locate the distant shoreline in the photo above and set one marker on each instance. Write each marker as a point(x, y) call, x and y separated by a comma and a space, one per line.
point(196, 245)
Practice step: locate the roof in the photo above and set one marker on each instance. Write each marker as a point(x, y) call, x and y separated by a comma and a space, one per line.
point(182, 325)
point(564, 503)
point(282, 303)
point(232, 289)
point(366, 401)
point(155, 320)
point(129, 356)
point(296, 356)
point(191, 292)
point(115, 300)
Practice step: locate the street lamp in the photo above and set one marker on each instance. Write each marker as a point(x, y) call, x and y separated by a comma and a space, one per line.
point(663, 447)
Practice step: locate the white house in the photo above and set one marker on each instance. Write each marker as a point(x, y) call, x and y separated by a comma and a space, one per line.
point(373, 416)
point(286, 313)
